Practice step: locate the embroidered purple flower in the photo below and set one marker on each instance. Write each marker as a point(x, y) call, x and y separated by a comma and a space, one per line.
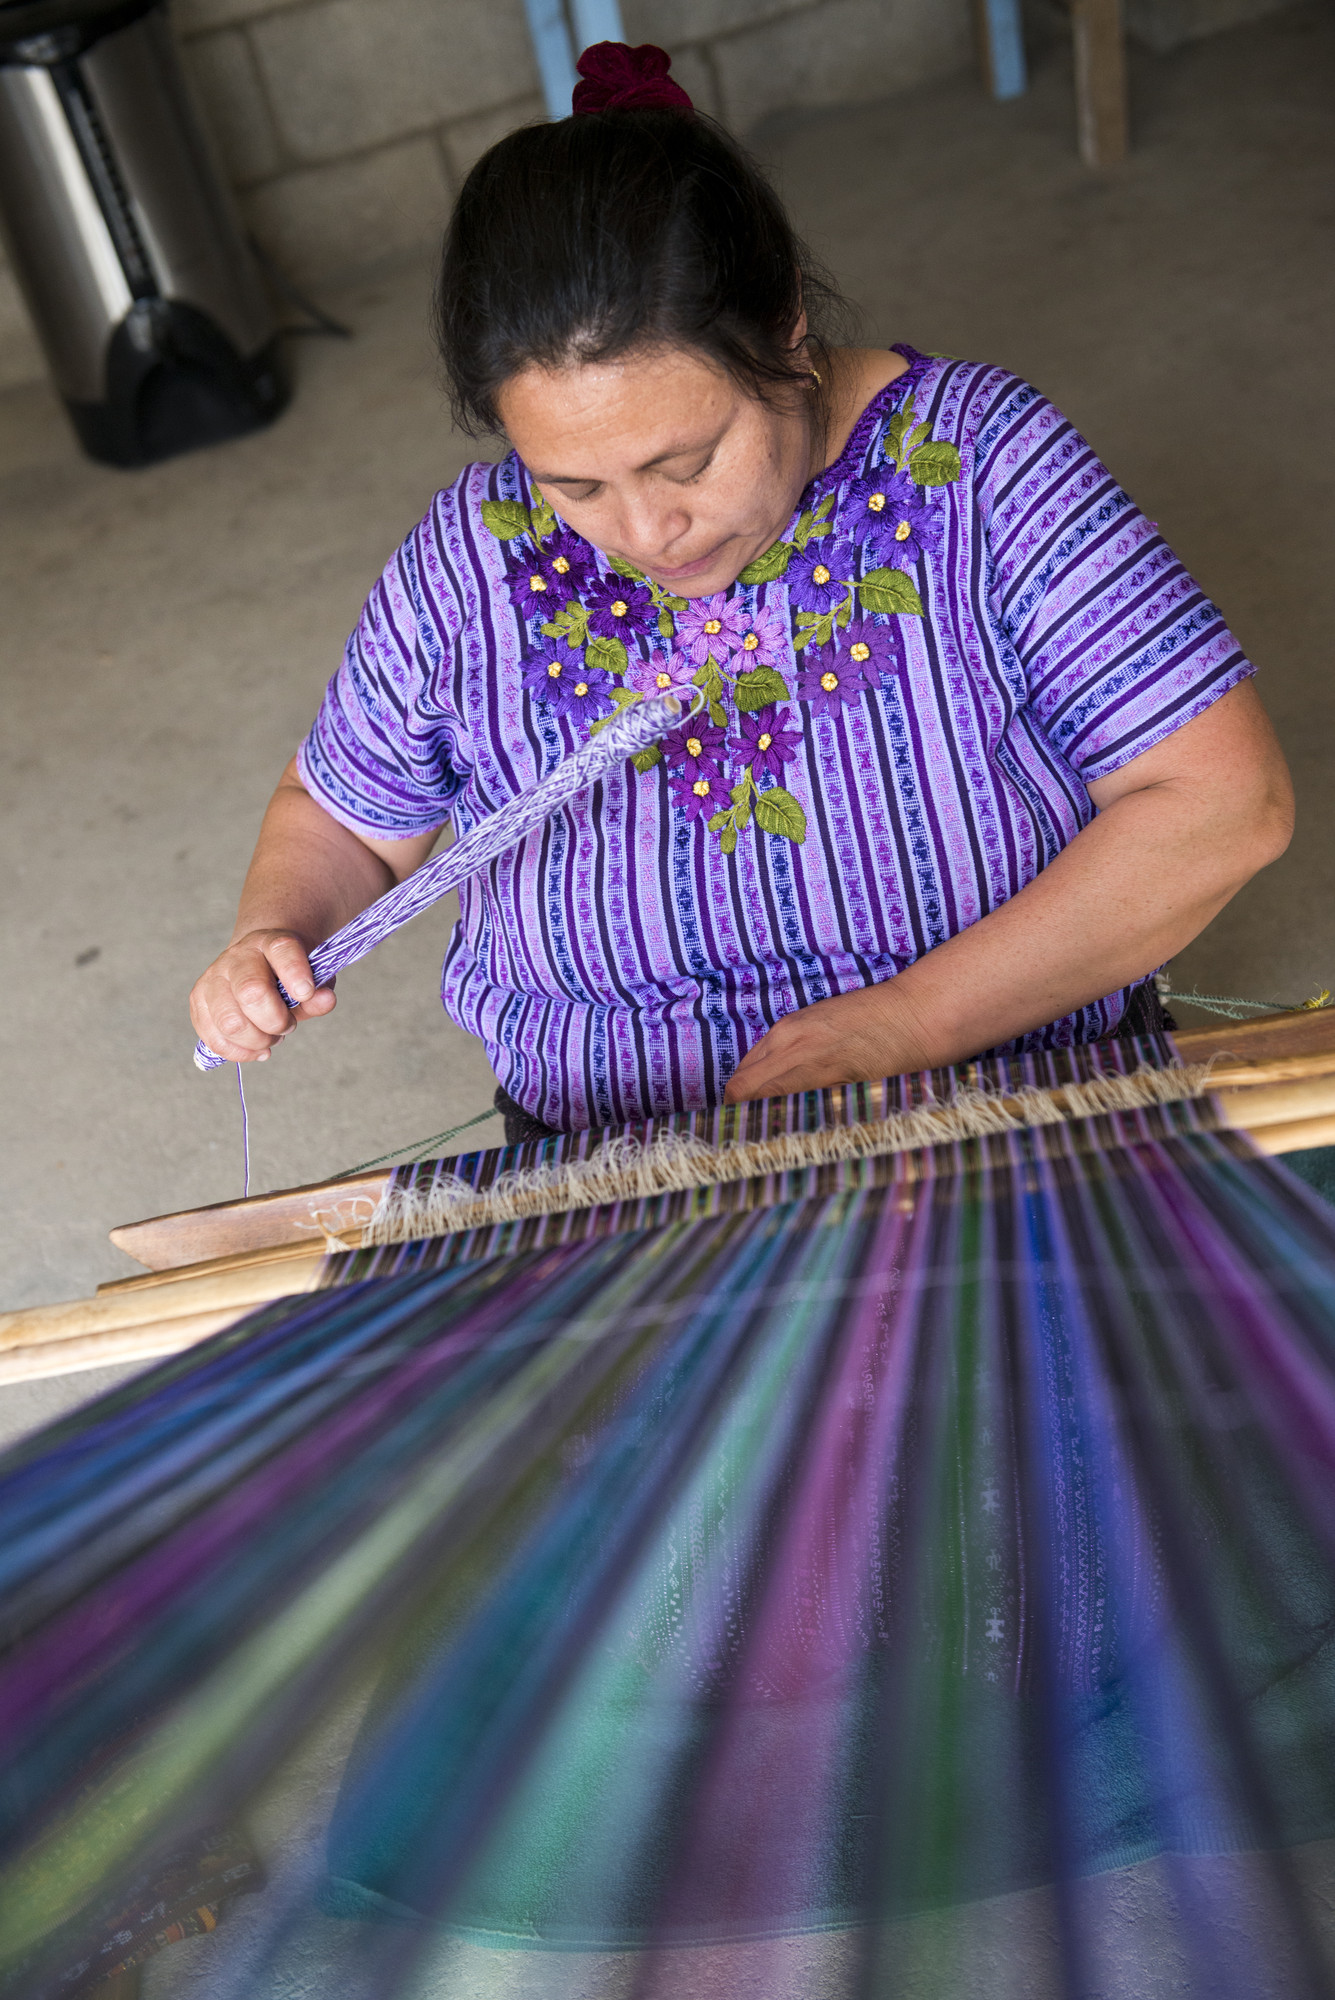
point(710, 625)
point(618, 608)
point(561, 679)
point(764, 640)
point(817, 576)
point(567, 564)
point(531, 587)
point(661, 675)
point(766, 742)
point(698, 749)
point(916, 530)
point(701, 797)
point(831, 675)
point(872, 506)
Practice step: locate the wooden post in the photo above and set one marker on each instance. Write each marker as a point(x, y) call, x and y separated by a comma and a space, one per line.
point(1100, 81)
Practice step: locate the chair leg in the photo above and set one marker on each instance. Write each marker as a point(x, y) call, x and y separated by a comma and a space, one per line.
point(1100, 81)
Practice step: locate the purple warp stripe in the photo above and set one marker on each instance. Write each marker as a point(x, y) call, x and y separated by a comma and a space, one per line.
point(633, 729)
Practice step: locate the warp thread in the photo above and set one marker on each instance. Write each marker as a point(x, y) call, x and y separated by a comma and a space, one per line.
point(628, 1170)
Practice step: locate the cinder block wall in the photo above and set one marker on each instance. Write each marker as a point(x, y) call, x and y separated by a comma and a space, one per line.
point(347, 125)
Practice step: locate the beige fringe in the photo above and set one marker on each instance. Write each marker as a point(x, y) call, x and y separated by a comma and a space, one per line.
point(625, 1170)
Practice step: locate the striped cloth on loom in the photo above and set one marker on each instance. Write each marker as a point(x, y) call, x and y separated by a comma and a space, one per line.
point(915, 1590)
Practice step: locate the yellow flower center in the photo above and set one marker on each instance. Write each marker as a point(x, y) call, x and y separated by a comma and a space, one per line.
point(750, 642)
point(820, 574)
point(554, 671)
point(663, 680)
point(581, 687)
point(620, 608)
point(562, 565)
point(537, 583)
point(693, 746)
point(713, 625)
point(764, 740)
point(700, 787)
point(860, 651)
point(829, 682)
point(903, 531)
point(876, 501)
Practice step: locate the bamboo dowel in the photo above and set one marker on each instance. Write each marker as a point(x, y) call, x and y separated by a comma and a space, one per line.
point(203, 1292)
point(107, 1350)
point(1303, 1135)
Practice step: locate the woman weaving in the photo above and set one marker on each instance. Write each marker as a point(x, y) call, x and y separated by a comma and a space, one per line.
point(977, 754)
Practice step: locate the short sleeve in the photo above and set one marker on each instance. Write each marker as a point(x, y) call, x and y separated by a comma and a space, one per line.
point(385, 755)
point(1118, 643)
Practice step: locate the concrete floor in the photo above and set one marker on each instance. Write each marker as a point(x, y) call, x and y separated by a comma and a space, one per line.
point(167, 633)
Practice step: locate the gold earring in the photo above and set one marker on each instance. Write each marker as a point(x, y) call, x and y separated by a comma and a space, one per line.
point(814, 373)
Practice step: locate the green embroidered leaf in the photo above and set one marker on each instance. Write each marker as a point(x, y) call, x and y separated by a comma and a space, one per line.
point(720, 819)
point(507, 519)
point(710, 679)
point(889, 590)
point(609, 654)
point(543, 518)
point(718, 715)
point(570, 623)
point(844, 611)
point(758, 689)
point(769, 567)
point(935, 464)
point(674, 603)
point(596, 728)
point(915, 437)
point(806, 521)
point(817, 634)
point(625, 569)
point(623, 697)
point(644, 760)
point(741, 800)
point(665, 624)
point(727, 840)
point(778, 812)
point(895, 432)
point(825, 506)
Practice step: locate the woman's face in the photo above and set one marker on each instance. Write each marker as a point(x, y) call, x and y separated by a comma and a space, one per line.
point(662, 459)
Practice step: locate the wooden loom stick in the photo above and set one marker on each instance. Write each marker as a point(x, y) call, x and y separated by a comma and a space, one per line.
point(1276, 1048)
point(163, 1313)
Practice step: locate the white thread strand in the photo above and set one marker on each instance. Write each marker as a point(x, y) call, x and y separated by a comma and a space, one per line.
point(627, 1170)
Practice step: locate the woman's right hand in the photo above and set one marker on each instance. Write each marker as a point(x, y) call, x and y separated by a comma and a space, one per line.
point(236, 1007)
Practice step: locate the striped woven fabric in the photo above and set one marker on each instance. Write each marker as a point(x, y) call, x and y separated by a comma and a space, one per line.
point(858, 1596)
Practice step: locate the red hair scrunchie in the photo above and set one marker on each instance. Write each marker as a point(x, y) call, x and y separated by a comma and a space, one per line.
point(618, 78)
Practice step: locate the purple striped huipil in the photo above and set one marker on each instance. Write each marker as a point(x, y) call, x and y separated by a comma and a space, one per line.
point(618, 963)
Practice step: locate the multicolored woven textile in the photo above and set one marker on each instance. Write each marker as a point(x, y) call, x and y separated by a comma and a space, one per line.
point(924, 1589)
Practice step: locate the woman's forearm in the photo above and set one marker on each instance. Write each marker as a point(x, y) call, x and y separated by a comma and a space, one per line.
point(1136, 886)
point(1177, 833)
point(308, 874)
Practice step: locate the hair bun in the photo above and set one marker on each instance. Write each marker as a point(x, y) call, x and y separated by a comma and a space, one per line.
point(618, 78)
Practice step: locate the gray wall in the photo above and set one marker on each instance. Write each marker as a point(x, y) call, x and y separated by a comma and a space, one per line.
point(346, 125)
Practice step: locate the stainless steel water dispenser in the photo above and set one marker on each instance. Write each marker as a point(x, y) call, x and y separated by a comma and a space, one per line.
point(123, 234)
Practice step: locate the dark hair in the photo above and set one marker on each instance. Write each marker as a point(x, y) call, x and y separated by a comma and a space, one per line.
point(581, 240)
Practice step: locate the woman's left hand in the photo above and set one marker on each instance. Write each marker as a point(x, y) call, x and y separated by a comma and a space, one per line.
point(852, 1038)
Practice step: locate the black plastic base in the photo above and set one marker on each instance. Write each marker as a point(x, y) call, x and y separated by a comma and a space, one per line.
point(174, 384)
